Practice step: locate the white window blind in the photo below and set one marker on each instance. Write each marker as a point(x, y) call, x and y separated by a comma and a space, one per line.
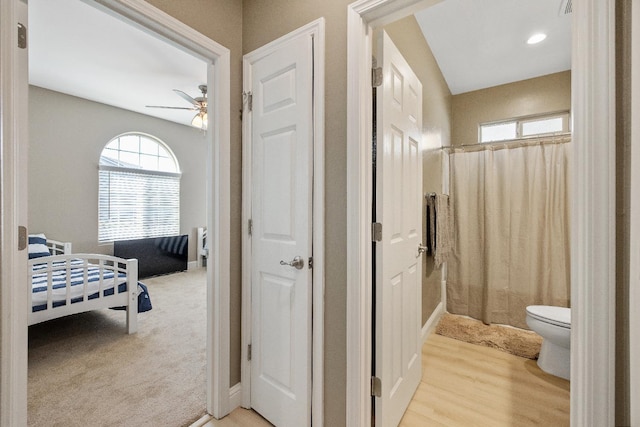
point(135, 205)
point(139, 189)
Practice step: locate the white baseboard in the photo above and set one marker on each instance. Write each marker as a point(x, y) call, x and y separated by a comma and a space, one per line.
point(431, 323)
point(235, 397)
point(443, 290)
point(192, 265)
point(202, 421)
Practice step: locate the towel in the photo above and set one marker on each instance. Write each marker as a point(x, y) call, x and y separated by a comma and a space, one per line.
point(443, 230)
point(431, 224)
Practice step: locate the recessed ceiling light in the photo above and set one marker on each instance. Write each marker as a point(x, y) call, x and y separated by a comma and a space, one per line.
point(536, 38)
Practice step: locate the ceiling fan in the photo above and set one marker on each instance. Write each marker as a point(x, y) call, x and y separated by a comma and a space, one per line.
point(199, 104)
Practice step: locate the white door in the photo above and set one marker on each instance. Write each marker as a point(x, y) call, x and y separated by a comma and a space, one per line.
point(399, 210)
point(281, 82)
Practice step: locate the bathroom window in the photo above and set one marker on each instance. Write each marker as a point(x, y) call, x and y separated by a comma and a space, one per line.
point(525, 127)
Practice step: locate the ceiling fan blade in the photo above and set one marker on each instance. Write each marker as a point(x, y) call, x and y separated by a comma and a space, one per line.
point(187, 98)
point(172, 108)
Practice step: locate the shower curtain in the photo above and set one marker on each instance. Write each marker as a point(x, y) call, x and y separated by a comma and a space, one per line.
point(511, 230)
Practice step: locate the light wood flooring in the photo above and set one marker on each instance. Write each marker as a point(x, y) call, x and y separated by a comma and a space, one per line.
point(238, 418)
point(465, 385)
point(470, 385)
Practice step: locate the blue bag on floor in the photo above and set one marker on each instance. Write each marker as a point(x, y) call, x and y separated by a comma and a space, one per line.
point(144, 301)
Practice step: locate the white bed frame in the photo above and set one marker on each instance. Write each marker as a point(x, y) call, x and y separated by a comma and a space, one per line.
point(61, 251)
point(59, 248)
point(202, 246)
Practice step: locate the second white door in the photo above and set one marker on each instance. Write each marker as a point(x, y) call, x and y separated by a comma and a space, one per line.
point(279, 88)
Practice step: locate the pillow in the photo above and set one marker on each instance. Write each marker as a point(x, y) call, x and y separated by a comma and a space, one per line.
point(38, 246)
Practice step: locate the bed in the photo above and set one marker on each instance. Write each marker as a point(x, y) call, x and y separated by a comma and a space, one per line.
point(64, 283)
point(202, 247)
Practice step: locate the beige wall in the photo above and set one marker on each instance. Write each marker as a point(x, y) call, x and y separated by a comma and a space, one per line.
point(221, 20)
point(545, 94)
point(436, 125)
point(67, 135)
point(264, 21)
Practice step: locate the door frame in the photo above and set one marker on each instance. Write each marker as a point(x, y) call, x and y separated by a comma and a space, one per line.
point(13, 266)
point(593, 218)
point(315, 29)
point(13, 390)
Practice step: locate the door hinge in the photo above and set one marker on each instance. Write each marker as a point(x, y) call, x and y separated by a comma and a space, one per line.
point(248, 99)
point(250, 227)
point(376, 232)
point(376, 77)
point(249, 352)
point(22, 36)
point(376, 387)
point(23, 240)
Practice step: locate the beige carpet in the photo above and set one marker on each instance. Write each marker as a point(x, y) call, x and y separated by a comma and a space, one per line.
point(85, 370)
point(511, 340)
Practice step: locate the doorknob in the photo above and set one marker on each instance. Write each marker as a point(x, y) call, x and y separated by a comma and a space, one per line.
point(421, 249)
point(297, 262)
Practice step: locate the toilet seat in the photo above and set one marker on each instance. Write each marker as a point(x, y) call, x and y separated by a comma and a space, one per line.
point(558, 316)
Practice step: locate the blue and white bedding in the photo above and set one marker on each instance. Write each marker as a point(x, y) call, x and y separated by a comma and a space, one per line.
point(77, 277)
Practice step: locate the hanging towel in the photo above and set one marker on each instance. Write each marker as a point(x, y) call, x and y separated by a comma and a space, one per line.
point(430, 224)
point(443, 230)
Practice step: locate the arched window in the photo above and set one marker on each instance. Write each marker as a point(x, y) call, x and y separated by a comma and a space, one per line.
point(139, 189)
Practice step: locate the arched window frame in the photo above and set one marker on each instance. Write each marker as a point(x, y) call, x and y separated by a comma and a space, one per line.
point(136, 200)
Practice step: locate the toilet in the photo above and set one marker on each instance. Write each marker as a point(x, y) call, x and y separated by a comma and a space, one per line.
point(554, 325)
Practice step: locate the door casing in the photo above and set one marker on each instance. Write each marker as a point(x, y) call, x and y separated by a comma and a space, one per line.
point(315, 29)
point(13, 393)
point(13, 213)
point(593, 218)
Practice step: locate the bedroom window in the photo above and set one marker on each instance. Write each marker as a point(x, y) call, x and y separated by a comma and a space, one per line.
point(524, 127)
point(139, 189)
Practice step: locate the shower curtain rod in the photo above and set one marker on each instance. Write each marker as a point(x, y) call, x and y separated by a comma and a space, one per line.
point(509, 143)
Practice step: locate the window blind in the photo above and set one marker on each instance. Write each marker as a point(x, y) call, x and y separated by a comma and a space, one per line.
point(137, 204)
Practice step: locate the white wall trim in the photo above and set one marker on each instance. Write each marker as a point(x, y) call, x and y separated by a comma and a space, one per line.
point(593, 221)
point(153, 19)
point(247, 194)
point(634, 262)
point(362, 16)
point(13, 213)
point(218, 185)
point(359, 193)
point(315, 29)
point(432, 321)
point(235, 397)
point(218, 195)
point(593, 218)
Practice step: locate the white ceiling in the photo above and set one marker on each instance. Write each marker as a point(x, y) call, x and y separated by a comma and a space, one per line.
point(483, 43)
point(80, 50)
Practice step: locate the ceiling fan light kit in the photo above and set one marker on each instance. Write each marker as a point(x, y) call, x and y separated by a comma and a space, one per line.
point(199, 104)
point(200, 120)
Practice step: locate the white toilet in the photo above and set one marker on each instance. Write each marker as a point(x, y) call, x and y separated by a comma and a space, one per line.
point(554, 325)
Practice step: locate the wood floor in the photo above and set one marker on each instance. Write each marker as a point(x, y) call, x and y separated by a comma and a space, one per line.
point(466, 385)
point(238, 418)
point(470, 385)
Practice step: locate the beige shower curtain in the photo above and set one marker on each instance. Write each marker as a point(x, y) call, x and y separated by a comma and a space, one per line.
point(511, 230)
